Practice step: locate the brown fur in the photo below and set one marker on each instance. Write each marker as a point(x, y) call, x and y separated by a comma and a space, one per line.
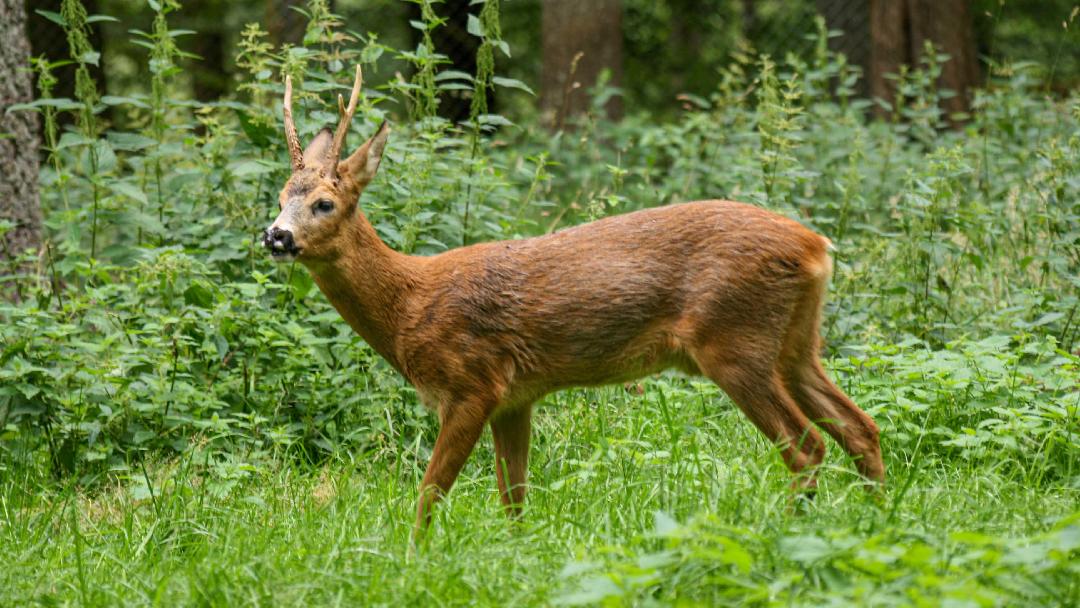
point(716, 288)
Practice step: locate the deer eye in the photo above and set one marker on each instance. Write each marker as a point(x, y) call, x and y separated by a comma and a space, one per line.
point(323, 205)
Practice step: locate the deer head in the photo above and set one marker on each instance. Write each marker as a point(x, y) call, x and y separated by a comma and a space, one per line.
point(320, 199)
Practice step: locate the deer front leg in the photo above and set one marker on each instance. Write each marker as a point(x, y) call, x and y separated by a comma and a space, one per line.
point(460, 428)
point(511, 430)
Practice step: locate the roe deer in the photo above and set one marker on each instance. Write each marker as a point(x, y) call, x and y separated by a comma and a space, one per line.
point(716, 288)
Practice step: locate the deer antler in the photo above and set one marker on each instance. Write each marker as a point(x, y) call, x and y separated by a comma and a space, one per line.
point(291, 138)
point(334, 154)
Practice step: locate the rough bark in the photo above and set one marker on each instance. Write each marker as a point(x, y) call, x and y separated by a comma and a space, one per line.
point(888, 45)
point(899, 30)
point(18, 135)
point(568, 27)
point(949, 24)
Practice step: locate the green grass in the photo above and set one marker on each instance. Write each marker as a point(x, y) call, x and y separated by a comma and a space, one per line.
point(666, 496)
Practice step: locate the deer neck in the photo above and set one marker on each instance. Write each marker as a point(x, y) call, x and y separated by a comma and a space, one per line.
point(369, 284)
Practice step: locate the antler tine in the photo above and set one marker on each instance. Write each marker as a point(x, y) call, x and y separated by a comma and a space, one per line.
point(334, 153)
point(291, 138)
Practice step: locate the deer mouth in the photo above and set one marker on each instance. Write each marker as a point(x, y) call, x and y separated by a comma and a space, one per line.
point(281, 245)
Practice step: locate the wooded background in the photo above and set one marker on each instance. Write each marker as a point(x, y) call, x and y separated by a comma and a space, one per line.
point(653, 50)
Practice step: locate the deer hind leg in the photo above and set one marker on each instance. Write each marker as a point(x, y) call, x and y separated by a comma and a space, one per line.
point(760, 393)
point(832, 410)
point(510, 430)
point(821, 400)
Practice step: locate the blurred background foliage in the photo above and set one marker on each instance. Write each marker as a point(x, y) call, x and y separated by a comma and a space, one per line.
point(668, 48)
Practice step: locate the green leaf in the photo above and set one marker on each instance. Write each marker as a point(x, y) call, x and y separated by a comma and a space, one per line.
point(256, 500)
point(55, 17)
point(664, 525)
point(453, 75)
point(474, 27)
point(91, 57)
point(199, 294)
point(1048, 318)
point(250, 167)
point(591, 590)
point(114, 100)
point(512, 84)
point(805, 549)
point(106, 157)
point(71, 139)
point(140, 491)
point(454, 86)
point(301, 284)
point(60, 104)
point(129, 141)
point(129, 190)
point(142, 436)
point(260, 134)
point(494, 120)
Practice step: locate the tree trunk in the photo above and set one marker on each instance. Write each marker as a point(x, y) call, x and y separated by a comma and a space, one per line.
point(888, 46)
point(900, 28)
point(949, 25)
point(18, 136)
point(592, 28)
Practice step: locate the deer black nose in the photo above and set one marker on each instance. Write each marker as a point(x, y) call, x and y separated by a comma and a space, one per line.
point(279, 242)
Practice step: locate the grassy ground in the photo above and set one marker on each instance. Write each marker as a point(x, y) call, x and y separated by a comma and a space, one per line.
point(666, 496)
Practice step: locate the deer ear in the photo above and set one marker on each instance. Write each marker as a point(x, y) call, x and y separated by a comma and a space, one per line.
point(315, 154)
point(362, 165)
